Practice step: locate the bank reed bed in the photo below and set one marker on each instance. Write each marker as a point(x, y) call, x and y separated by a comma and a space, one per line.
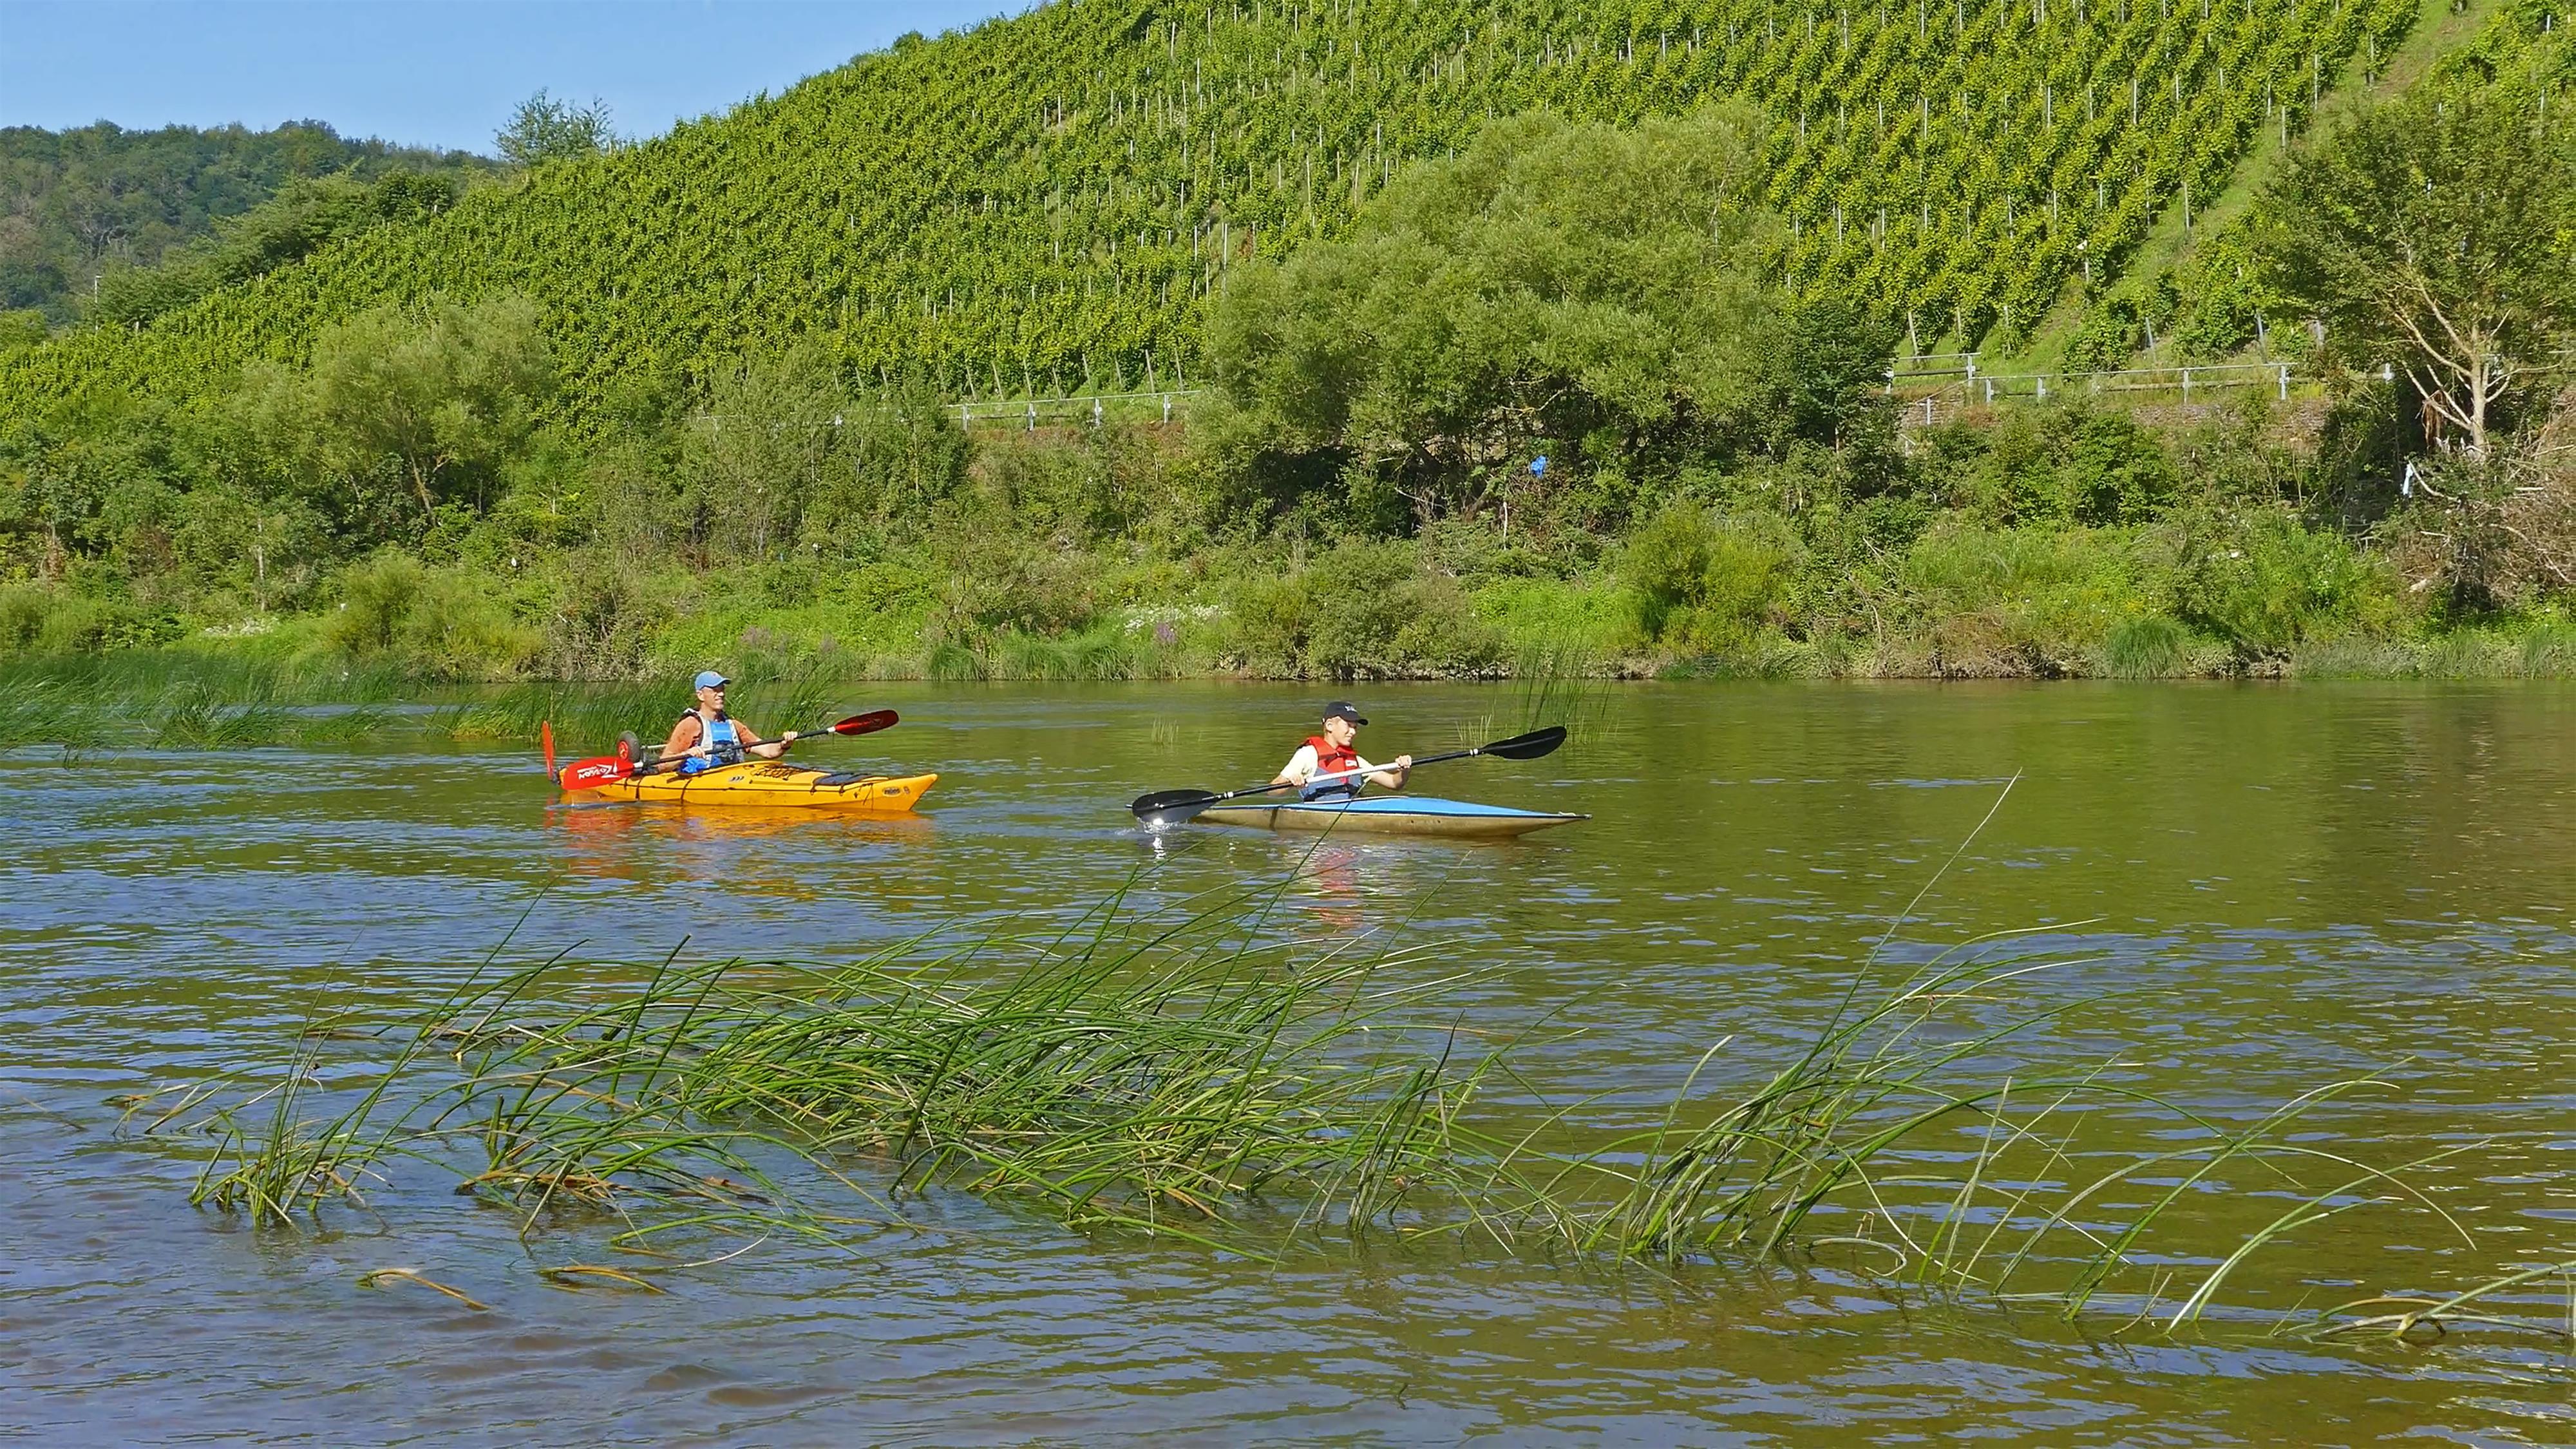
point(1185, 1073)
point(588, 718)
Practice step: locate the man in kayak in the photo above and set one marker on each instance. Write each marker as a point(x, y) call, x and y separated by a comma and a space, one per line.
point(1327, 768)
point(706, 736)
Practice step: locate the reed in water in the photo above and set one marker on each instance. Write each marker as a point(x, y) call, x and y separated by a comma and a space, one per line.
point(1185, 1074)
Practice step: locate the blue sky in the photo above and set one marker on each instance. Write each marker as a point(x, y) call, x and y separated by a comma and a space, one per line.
point(426, 72)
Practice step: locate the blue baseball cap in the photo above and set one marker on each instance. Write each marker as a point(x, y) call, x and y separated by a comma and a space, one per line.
point(709, 679)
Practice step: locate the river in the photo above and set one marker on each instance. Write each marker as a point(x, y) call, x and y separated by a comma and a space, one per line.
point(2254, 889)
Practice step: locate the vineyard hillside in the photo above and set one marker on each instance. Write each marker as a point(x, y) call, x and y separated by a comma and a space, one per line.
point(1045, 203)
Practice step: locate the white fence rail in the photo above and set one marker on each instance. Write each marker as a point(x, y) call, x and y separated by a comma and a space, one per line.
point(1930, 387)
point(1966, 388)
point(1031, 413)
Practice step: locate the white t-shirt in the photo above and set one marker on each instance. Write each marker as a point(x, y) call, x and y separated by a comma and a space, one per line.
point(1301, 767)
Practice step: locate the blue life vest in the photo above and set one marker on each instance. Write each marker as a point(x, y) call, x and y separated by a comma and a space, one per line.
point(724, 742)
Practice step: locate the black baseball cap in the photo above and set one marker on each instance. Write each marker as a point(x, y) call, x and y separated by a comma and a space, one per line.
point(1344, 709)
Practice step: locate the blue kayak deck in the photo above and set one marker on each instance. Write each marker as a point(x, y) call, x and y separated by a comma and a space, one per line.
point(1390, 815)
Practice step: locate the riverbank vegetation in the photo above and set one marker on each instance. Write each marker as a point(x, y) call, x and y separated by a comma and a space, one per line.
point(1552, 396)
point(1178, 1074)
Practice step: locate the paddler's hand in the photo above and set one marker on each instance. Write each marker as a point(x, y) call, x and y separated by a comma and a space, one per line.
point(1403, 769)
point(788, 738)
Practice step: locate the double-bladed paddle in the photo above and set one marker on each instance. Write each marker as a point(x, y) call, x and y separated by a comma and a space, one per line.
point(1176, 807)
point(601, 770)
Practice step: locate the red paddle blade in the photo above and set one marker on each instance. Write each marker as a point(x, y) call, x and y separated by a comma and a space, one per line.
point(546, 737)
point(865, 724)
point(591, 774)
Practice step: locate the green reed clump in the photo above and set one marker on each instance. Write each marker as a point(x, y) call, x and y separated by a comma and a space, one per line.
point(44, 713)
point(1158, 1078)
point(1869, 1145)
point(139, 679)
point(197, 717)
point(587, 718)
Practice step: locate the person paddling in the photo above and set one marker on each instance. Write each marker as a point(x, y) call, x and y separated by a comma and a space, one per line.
point(706, 736)
point(1327, 768)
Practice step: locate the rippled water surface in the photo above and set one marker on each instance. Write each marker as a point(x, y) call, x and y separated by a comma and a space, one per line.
point(2256, 890)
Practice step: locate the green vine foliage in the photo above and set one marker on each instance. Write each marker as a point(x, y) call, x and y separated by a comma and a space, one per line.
point(1047, 203)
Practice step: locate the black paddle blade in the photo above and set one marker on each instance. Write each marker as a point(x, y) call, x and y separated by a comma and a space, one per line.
point(1172, 807)
point(1529, 746)
point(864, 724)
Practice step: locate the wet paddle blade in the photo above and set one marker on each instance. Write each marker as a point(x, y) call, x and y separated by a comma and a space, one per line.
point(546, 737)
point(863, 724)
point(1529, 746)
point(1172, 807)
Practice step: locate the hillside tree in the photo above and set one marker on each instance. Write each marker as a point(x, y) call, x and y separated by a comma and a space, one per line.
point(2435, 235)
point(544, 129)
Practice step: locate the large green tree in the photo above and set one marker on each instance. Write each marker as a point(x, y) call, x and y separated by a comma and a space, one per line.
point(2435, 235)
point(441, 398)
point(1554, 281)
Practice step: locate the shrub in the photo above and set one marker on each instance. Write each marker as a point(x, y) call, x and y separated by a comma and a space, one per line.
point(2149, 646)
point(1706, 582)
point(604, 618)
point(2060, 464)
point(2034, 594)
point(1003, 584)
point(2266, 582)
point(375, 602)
point(23, 611)
point(2549, 652)
point(1364, 611)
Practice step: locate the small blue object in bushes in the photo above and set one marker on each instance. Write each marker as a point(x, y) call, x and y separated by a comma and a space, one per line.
point(1538, 465)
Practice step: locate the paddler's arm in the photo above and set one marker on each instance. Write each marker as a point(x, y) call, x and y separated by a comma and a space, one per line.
point(772, 750)
point(1390, 777)
point(1299, 769)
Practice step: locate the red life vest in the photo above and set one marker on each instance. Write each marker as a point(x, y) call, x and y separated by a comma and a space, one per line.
point(1332, 759)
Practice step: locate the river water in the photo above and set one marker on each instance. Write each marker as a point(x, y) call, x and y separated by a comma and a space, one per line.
point(2257, 890)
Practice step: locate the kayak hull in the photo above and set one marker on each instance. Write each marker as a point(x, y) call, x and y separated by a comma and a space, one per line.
point(774, 786)
point(1390, 815)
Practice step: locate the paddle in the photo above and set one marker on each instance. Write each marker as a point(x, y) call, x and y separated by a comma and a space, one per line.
point(1176, 807)
point(601, 770)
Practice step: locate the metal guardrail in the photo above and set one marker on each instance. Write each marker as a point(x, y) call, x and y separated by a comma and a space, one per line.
point(1957, 385)
point(1028, 413)
point(1968, 388)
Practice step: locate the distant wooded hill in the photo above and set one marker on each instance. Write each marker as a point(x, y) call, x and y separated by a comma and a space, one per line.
point(81, 205)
